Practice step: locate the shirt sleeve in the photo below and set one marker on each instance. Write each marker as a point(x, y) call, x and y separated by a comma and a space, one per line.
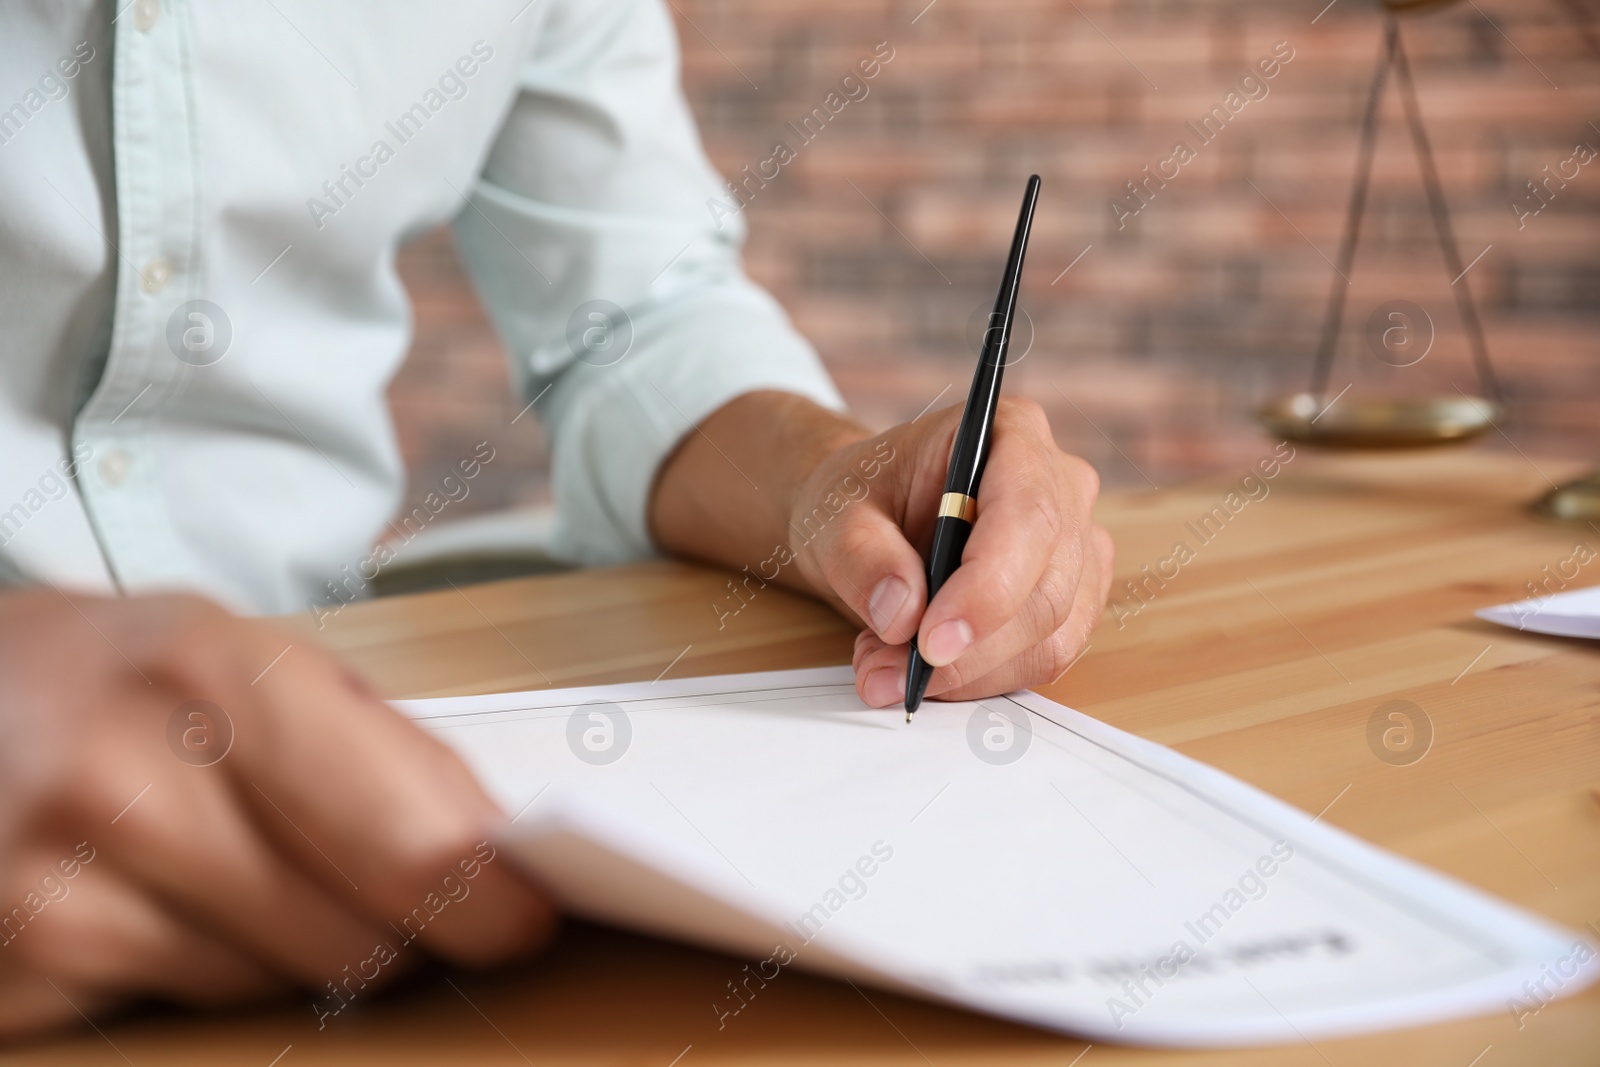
point(607, 251)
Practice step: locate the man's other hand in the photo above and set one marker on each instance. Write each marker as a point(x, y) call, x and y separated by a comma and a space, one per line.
point(202, 808)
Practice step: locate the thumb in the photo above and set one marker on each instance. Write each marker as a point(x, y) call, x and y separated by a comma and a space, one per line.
point(870, 566)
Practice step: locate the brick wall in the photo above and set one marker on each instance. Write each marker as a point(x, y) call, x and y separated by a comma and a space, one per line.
point(884, 235)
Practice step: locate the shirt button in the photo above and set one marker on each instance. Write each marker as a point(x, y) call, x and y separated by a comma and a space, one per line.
point(114, 467)
point(146, 13)
point(155, 276)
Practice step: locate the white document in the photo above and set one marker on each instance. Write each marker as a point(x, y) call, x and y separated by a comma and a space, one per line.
point(1010, 855)
point(1574, 614)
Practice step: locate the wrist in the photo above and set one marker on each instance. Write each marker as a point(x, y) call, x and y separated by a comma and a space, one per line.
point(730, 491)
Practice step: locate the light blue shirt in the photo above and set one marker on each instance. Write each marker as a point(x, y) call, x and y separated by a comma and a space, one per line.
point(200, 204)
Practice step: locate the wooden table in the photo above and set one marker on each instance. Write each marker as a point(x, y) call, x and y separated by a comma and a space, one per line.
point(1352, 583)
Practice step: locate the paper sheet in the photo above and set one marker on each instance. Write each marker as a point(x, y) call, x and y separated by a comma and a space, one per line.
point(1574, 614)
point(1012, 856)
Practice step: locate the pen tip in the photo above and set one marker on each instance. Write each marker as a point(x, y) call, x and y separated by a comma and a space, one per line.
point(913, 702)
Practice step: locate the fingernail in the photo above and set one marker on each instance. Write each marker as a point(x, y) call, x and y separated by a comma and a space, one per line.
point(884, 686)
point(884, 606)
point(947, 641)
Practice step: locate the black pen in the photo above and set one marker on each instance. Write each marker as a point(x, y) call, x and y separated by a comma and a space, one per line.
point(958, 508)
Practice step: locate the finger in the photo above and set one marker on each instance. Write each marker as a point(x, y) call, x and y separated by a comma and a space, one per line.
point(1044, 663)
point(1048, 661)
point(880, 679)
point(1076, 563)
point(385, 817)
point(880, 668)
point(365, 805)
point(218, 844)
point(862, 646)
point(186, 841)
point(873, 569)
point(102, 933)
point(1023, 515)
point(30, 1005)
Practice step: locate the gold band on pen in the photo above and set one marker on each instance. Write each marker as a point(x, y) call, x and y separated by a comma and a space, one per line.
point(958, 506)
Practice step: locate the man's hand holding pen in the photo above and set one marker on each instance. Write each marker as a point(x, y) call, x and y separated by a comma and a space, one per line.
point(1034, 575)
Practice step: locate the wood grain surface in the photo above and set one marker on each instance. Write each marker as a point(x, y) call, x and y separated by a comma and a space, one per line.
point(1348, 583)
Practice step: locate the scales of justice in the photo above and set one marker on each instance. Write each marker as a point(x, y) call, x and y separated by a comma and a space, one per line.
point(1378, 422)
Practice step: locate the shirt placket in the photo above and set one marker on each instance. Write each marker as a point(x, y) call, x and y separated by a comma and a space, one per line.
point(124, 420)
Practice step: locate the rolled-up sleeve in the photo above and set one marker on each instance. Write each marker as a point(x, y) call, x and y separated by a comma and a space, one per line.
point(597, 196)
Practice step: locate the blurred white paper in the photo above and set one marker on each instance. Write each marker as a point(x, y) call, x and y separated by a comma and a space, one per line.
point(1011, 855)
point(1574, 614)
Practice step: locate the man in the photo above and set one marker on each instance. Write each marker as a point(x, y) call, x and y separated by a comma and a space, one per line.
point(201, 204)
